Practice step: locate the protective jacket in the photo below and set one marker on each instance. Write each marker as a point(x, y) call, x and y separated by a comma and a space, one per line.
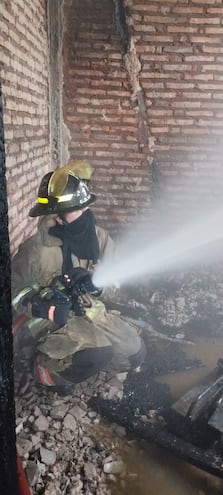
point(37, 261)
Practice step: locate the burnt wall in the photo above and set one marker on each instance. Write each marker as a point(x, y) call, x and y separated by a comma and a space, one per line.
point(142, 100)
point(101, 114)
point(150, 120)
point(180, 47)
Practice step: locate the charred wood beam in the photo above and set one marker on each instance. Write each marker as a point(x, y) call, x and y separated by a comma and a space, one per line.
point(8, 469)
point(121, 25)
point(207, 460)
point(55, 79)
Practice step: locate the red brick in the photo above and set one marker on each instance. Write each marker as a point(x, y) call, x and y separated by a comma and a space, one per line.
point(205, 20)
point(215, 10)
point(181, 29)
point(206, 39)
point(187, 10)
point(158, 38)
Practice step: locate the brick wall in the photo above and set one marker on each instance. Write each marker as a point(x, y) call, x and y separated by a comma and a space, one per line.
point(150, 121)
point(177, 55)
point(180, 46)
point(99, 112)
point(24, 75)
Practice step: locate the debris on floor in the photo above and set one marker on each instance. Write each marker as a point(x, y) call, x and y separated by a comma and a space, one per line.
point(65, 445)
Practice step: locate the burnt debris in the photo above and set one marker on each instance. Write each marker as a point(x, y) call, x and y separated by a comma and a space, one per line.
point(121, 25)
point(8, 470)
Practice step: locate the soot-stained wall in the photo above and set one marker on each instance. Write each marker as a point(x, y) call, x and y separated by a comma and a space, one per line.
point(100, 111)
point(151, 120)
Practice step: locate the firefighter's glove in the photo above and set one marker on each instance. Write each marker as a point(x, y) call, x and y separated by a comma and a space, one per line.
point(53, 309)
point(78, 307)
point(81, 281)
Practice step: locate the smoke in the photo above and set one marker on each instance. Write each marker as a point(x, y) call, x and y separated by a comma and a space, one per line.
point(166, 240)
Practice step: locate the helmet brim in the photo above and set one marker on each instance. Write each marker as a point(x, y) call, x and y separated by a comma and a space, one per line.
point(39, 210)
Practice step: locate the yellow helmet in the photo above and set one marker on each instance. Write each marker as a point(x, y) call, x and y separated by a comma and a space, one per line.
point(81, 168)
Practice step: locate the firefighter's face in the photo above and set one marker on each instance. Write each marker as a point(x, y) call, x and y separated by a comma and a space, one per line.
point(70, 216)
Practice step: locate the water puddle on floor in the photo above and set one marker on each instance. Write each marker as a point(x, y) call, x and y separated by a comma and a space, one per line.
point(155, 471)
point(208, 351)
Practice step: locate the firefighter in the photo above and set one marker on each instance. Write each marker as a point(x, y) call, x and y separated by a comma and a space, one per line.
point(73, 339)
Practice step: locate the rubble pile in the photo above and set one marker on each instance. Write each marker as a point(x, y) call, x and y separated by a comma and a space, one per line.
point(189, 297)
point(179, 301)
point(65, 446)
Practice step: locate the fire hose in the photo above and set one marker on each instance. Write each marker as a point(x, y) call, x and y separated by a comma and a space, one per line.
point(24, 488)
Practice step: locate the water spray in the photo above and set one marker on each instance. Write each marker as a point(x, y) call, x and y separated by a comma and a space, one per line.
point(138, 256)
